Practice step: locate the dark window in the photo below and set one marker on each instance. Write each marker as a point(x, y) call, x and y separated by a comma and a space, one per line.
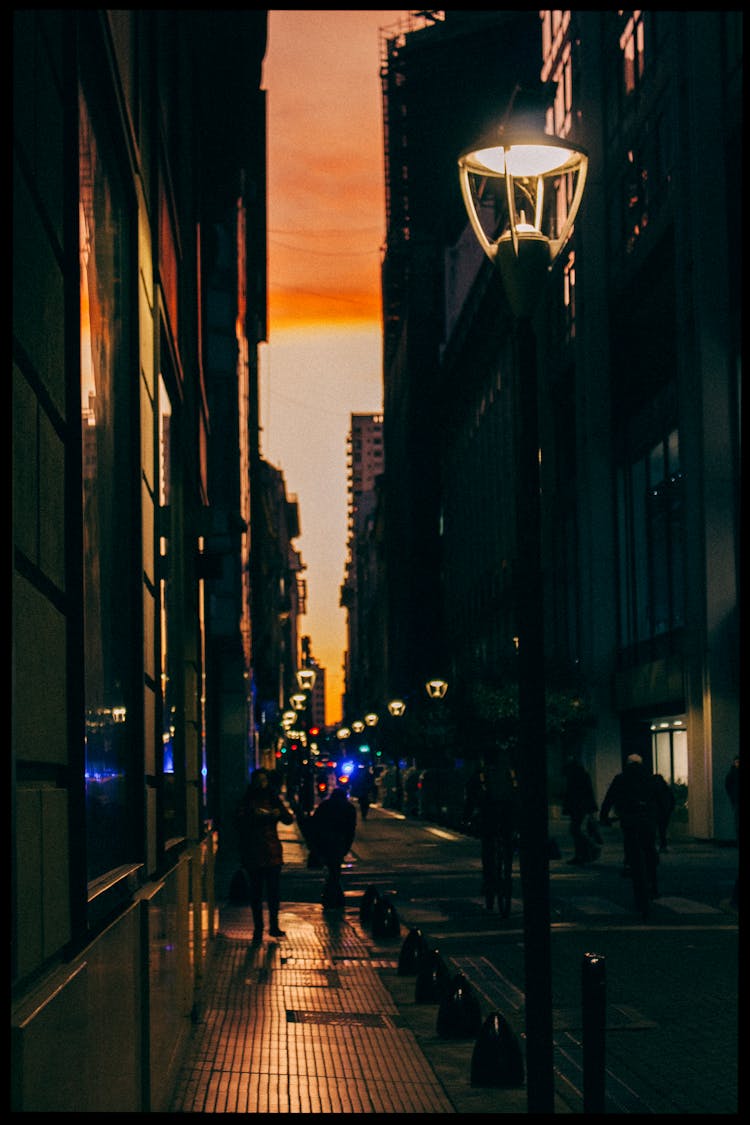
point(651, 544)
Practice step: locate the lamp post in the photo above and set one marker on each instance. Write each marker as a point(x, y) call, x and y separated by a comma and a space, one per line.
point(541, 180)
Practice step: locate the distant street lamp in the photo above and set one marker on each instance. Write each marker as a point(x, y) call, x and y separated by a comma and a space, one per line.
point(396, 707)
point(306, 678)
point(371, 719)
point(436, 688)
point(522, 229)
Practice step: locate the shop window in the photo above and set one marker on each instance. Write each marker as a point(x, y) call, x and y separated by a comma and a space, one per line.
point(669, 750)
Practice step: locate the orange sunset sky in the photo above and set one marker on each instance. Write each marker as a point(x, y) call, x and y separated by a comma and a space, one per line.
point(326, 227)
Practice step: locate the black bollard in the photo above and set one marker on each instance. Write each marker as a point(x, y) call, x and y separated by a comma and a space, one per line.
point(385, 921)
point(369, 898)
point(594, 1021)
point(411, 951)
point(459, 1015)
point(497, 1060)
point(433, 978)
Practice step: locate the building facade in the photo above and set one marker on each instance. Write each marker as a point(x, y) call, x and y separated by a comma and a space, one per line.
point(639, 371)
point(138, 304)
point(360, 590)
point(279, 599)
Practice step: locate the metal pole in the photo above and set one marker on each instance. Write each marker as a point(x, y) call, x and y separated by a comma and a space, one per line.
point(593, 1011)
point(540, 1091)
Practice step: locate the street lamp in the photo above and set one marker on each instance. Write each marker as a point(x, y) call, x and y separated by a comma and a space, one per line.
point(306, 678)
point(396, 707)
point(436, 688)
point(522, 229)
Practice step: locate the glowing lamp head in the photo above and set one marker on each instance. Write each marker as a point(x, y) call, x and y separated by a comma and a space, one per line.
point(522, 192)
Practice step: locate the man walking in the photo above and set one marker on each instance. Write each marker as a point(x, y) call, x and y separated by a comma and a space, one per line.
point(631, 795)
point(332, 829)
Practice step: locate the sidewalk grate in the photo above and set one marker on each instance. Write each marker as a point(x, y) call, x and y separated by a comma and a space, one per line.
point(340, 1019)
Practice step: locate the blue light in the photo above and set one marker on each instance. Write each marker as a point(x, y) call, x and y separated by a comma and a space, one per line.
point(168, 757)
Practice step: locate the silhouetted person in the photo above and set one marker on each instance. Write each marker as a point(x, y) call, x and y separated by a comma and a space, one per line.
point(362, 786)
point(491, 804)
point(580, 804)
point(732, 787)
point(631, 795)
point(332, 829)
point(257, 820)
point(665, 803)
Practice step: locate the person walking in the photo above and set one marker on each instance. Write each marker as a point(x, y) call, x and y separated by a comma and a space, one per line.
point(732, 787)
point(332, 829)
point(665, 802)
point(631, 796)
point(491, 805)
point(259, 813)
point(580, 804)
point(362, 786)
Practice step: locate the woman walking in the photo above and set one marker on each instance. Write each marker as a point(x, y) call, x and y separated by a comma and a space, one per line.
point(258, 816)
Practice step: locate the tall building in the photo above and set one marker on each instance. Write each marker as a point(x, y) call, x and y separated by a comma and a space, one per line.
point(431, 112)
point(138, 304)
point(278, 599)
point(365, 464)
point(638, 341)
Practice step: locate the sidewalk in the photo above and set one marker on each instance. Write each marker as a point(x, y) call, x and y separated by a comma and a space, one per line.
point(320, 1021)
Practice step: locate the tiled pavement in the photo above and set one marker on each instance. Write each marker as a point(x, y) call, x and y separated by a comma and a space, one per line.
point(320, 1021)
point(303, 1025)
point(310, 1023)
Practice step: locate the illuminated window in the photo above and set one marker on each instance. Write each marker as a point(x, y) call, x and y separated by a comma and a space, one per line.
point(635, 194)
point(669, 753)
point(632, 41)
point(569, 295)
point(109, 516)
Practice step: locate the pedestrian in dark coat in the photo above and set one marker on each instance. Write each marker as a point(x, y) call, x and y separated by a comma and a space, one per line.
point(332, 829)
point(631, 795)
point(580, 804)
point(258, 815)
point(362, 787)
point(491, 808)
point(665, 803)
point(732, 787)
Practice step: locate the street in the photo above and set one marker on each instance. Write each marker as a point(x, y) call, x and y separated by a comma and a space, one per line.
point(671, 983)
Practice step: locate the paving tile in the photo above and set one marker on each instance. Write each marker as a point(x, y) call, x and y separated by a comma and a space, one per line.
point(303, 1025)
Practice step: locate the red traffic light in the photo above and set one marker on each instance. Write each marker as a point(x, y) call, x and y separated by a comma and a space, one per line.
point(314, 730)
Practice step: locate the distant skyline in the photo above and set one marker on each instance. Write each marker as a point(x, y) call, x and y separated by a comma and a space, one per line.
point(326, 229)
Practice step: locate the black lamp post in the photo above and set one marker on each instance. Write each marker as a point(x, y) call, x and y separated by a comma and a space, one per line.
point(543, 179)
